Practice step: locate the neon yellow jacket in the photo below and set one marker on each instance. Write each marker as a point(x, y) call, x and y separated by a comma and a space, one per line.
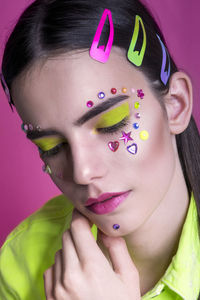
point(30, 249)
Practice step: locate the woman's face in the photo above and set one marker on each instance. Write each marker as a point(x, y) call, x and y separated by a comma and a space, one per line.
point(104, 151)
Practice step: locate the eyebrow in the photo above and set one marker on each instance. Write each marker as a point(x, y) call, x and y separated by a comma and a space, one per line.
point(35, 134)
point(100, 108)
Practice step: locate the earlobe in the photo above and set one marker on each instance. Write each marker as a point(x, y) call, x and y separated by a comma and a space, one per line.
point(178, 102)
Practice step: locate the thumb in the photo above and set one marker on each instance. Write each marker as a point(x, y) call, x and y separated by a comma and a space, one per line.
point(120, 257)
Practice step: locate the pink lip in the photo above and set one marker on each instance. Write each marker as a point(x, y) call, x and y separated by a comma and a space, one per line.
point(106, 203)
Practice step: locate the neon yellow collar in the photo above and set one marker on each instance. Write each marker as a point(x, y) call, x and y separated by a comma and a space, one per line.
point(183, 273)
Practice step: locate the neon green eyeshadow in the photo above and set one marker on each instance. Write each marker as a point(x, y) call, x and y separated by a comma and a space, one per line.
point(47, 144)
point(113, 116)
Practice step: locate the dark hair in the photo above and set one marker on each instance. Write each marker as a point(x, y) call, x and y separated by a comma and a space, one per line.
point(53, 27)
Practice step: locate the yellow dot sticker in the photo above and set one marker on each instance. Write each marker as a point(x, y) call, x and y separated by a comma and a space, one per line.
point(144, 135)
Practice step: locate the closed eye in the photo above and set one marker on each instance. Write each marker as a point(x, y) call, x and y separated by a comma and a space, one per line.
point(52, 152)
point(114, 128)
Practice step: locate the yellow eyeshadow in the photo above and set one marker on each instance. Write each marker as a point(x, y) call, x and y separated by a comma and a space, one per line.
point(113, 116)
point(48, 143)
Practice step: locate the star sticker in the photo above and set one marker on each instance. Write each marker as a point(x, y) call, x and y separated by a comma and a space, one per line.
point(126, 137)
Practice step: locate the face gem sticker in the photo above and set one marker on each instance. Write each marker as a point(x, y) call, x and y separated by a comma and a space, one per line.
point(126, 137)
point(116, 226)
point(144, 135)
point(113, 146)
point(30, 126)
point(133, 90)
point(140, 94)
point(38, 127)
point(113, 91)
point(101, 95)
point(137, 105)
point(124, 90)
point(137, 115)
point(90, 104)
point(132, 149)
point(136, 126)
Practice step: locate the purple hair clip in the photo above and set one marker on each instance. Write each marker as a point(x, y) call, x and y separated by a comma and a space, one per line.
point(164, 75)
point(6, 90)
point(102, 52)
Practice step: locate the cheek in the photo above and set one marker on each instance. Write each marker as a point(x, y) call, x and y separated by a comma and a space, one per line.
point(61, 167)
point(157, 157)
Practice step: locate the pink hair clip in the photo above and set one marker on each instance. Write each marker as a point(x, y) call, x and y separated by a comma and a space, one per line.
point(102, 52)
point(6, 90)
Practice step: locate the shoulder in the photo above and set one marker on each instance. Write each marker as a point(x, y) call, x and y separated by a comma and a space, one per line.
point(30, 249)
point(58, 208)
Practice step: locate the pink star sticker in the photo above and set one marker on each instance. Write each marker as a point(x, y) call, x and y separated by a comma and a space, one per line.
point(126, 137)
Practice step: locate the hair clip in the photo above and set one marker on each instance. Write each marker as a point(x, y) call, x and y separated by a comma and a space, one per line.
point(164, 75)
point(136, 57)
point(102, 52)
point(6, 90)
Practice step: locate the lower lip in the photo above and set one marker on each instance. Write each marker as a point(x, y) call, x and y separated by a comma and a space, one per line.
point(108, 206)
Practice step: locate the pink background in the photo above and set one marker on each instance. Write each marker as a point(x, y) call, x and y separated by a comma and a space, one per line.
point(23, 186)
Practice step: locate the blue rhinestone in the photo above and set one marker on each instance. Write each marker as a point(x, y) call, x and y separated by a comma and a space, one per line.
point(116, 226)
point(101, 95)
point(136, 125)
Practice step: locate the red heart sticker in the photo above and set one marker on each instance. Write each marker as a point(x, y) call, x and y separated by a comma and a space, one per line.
point(113, 146)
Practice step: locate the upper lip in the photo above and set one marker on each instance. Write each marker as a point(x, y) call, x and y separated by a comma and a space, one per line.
point(103, 197)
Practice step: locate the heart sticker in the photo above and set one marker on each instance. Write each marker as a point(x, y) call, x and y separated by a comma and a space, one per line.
point(113, 146)
point(132, 148)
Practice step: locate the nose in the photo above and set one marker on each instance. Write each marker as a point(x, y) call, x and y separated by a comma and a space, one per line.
point(88, 165)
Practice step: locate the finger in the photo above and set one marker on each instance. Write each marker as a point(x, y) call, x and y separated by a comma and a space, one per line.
point(57, 268)
point(70, 257)
point(119, 256)
point(84, 241)
point(48, 283)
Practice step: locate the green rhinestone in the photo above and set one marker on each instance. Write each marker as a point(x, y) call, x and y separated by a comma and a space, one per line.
point(137, 105)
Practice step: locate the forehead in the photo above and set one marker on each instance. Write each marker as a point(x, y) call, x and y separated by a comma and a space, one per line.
point(66, 82)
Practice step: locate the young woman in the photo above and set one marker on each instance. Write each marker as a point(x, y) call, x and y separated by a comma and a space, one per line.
point(110, 113)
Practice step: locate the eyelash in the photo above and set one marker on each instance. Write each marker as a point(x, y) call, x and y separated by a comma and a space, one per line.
point(51, 152)
point(115, 128)
point(107, 130)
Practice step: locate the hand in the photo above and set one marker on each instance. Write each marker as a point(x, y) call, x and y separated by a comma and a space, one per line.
point(82, 272)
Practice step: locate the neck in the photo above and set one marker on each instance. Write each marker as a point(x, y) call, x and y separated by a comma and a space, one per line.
point(153, 244)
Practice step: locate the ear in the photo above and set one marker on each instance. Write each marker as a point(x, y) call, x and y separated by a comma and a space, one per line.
point(178, 102)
